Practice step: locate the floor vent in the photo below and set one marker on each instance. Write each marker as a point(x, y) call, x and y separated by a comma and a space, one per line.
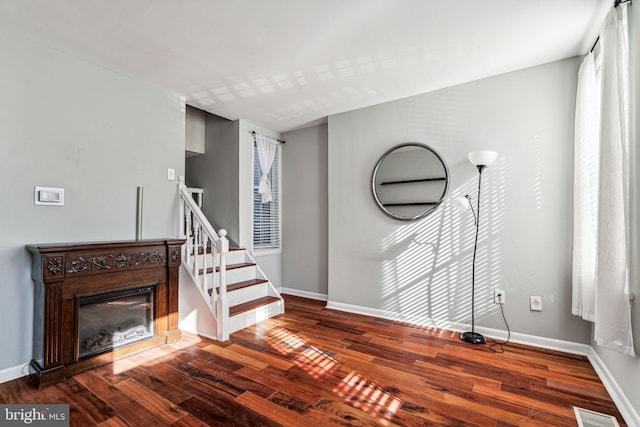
point(587, 418)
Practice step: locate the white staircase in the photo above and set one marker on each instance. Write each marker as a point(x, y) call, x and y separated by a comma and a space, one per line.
point(236, 290)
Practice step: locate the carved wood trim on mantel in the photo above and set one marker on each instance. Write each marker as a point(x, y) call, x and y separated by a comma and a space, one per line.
point(62, 273)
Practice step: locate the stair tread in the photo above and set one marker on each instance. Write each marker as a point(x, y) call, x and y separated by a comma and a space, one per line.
point(240, 285)
point(250, 305)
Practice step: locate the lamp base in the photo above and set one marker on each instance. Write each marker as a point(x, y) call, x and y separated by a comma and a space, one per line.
point(472, 338)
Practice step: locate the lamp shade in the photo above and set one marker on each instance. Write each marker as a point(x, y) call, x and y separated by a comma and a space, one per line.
point(482, 158)
point(461, 203)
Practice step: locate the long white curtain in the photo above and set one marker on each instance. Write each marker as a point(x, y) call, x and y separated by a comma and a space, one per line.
point(601, 190)
point(613, 307)
point(585, 195)
point(267, 148)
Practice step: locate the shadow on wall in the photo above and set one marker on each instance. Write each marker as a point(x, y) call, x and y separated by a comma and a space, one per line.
point(427, 264)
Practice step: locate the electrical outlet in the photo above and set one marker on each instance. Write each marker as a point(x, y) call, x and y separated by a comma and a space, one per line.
point(499, 296)
point(535, 303)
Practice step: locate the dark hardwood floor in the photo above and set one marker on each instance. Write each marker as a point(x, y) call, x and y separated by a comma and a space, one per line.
point(318, 367)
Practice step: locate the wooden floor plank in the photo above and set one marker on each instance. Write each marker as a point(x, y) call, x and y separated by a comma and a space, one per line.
point(279, 382)
point(17, 391)
point(113, 422)
point(262, 357)
point(216, 411)
point(161, 407)
point(97, 384)
point(228, 353)
point(313, 366)
point(84, 401)
point(233, 382)
point(134, 413)
point(163, 373)
point(276, 413)
point(189, 421)
point(173, 393)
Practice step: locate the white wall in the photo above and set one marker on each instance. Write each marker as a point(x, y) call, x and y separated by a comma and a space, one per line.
point(100, 135)
point(624, 369)
point(422, 270)
point(194, 313)
point(304, 211)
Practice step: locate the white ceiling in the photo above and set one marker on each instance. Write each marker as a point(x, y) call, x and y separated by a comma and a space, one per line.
point(286, 64)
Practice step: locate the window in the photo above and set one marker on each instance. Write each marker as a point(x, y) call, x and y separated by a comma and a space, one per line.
point(266, 216)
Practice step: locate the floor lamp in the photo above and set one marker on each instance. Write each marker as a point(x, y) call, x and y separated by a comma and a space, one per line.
point(480, 159)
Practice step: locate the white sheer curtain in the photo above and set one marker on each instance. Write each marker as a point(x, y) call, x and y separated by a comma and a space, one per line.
point(267, 148)
point(601, 190)
point(585, 195)
point(613, 307)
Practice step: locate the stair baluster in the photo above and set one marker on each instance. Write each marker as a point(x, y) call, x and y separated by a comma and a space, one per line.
point(196, 246)
point(222, 305)
point(188, 235)
point(205, 264)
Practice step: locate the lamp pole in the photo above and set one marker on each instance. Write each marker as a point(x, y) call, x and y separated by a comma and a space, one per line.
point(480, 159)
point(473, 337)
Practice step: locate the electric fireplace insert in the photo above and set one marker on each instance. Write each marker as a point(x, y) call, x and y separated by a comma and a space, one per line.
point(113, 320)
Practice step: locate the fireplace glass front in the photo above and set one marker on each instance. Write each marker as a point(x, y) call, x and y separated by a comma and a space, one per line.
point(113, 320)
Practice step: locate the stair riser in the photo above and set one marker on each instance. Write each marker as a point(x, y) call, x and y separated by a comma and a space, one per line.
point(238, 274)
point(241, 274)
point(233, 257)
point(247, 294)
point(254, 316)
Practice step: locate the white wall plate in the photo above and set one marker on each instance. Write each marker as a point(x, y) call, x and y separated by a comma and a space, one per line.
point(49, 196)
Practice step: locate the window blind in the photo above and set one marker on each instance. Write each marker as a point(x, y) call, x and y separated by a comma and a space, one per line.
point(266, 216)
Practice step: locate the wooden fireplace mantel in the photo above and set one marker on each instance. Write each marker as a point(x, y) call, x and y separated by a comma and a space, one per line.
point(64, 273)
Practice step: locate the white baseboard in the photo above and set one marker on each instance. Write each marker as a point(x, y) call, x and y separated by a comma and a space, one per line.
point(541, 342)
point(630, 415)
point(391, 315)
point(13, 373)
point(303, 294)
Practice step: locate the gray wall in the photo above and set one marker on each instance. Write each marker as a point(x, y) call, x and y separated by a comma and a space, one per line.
point(68, 123)
point(304, 210)
point(422, 270)
point(216, 172)
point(625, 369)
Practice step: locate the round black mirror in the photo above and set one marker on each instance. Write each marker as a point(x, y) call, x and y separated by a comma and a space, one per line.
point(409, 181)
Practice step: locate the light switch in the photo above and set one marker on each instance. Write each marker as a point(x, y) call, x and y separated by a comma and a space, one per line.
point(171, 174)
point(50, 196)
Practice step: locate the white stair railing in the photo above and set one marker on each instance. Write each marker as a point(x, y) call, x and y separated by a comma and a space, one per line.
point(203, 239)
